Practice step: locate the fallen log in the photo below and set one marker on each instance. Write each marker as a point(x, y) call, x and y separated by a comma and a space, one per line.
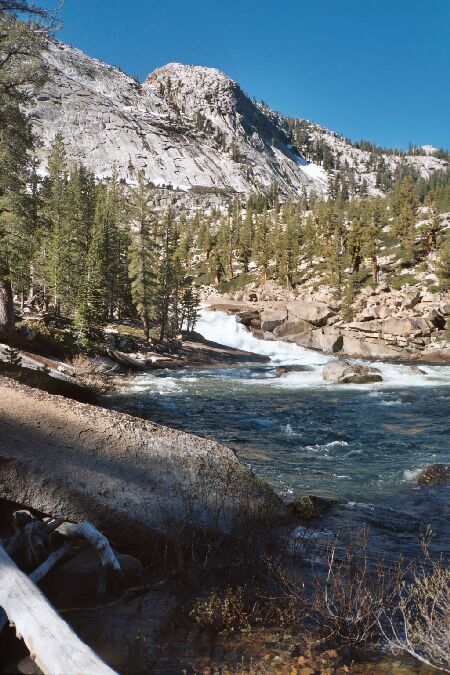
point(52, 644)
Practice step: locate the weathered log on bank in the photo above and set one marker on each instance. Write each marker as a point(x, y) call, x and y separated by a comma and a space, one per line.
point(52, 644)
point(130, 477)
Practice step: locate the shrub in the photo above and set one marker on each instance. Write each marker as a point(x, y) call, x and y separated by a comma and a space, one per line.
point(420, 622)
point(401, 280)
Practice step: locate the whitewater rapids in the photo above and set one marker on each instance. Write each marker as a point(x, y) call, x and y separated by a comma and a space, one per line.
point(223, 328)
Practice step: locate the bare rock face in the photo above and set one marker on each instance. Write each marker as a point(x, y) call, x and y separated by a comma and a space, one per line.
point(341, 372)
point(188, 128)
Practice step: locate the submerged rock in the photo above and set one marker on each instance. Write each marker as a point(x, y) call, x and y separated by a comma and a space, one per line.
point(310, 506)
point(435, 474)
point(341, 372)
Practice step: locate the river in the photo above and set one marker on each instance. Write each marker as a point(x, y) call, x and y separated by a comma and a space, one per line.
point(364, 444)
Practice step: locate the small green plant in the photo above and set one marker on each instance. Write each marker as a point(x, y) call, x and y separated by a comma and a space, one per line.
point(401, 280)
point(224, 612)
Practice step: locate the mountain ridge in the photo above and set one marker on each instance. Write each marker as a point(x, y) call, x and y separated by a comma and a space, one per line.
point(186, 127)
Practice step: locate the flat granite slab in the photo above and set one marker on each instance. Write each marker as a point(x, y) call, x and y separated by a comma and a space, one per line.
point(130, 477)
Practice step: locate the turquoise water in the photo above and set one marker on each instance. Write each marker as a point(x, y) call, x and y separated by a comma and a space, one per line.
point(364, 444)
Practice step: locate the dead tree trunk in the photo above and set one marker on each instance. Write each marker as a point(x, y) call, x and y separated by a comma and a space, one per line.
point(6, 310)
point(51, 642)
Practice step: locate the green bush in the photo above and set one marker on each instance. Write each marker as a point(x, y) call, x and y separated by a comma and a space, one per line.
point(401, 280)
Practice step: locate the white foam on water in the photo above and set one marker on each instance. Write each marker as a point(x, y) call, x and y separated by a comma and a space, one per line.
point(223, 328)
point(411, 474)
point(326, 446)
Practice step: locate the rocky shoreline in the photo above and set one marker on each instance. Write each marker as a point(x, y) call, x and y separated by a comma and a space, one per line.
point(387, 324)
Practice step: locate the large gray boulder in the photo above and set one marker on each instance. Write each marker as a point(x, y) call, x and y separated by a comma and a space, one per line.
point(131, 478)
point(342, 372)
point(271, 318)
point(316, 313)
point(323, 339)
point(361, 347)
point(294, 327)
point(405, 326)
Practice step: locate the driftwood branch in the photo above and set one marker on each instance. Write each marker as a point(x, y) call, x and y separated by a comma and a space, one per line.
point(95, 538)
point(52, 644)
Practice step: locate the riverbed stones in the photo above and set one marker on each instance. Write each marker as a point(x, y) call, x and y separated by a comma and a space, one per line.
point(342, 372)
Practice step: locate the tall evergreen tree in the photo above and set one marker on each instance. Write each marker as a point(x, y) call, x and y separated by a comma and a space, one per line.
point(262, 247)
point(143, 253)
point(246, 239)
point(57, 217)
point(92, 310)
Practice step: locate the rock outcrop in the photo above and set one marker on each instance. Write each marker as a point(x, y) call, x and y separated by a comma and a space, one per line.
point(388, 324)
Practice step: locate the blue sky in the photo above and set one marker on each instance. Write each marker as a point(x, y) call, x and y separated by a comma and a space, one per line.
point(373, 69)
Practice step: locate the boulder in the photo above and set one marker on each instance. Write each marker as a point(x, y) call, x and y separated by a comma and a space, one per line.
point(313, 312)
point(405, 326)
point(271, 318)
point(327, 340)
point(131, 478)
point(412, 299)
point(249, 318)
point(288, 328)
point(435, 474)
point(363, 348)
point(342, 372)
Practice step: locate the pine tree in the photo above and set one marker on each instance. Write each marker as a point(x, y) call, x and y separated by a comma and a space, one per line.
point(355, 235)
point(431, 227)
point(404, 205)
point(246, 239)
point(262, 248)
point(167, 277)
point(443, 265)
point(225, 248)
point(116, 244)
point(291, 250)
point(56, 214)
point(375, 219)
point(143, 253)
point(92, 308)
point(15, 209)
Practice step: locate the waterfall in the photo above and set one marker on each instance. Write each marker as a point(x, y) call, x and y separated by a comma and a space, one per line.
point(223, 328)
